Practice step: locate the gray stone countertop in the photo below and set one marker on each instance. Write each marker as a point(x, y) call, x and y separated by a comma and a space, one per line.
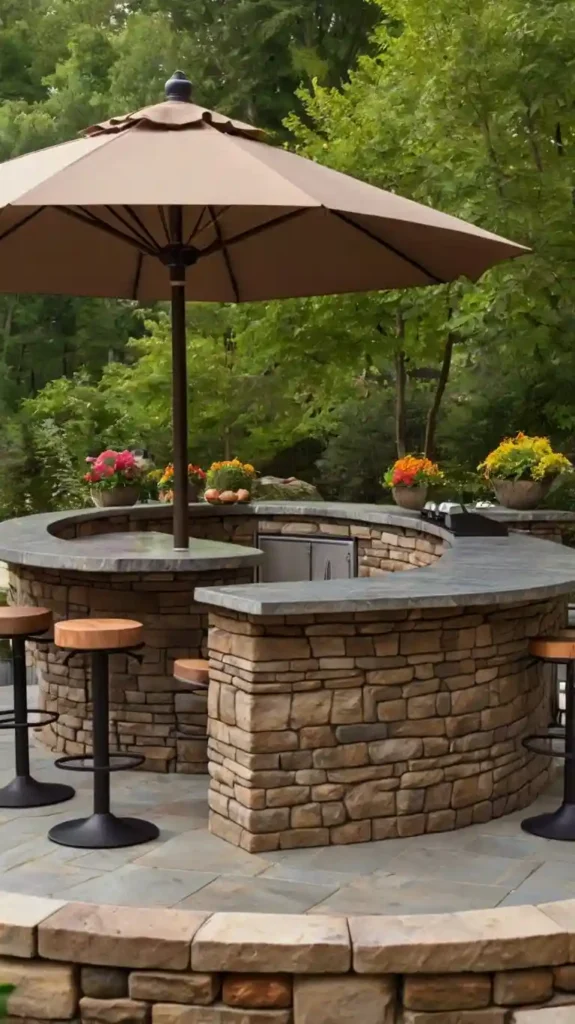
point(118, 552)
point(482, 571)
point(472, 571)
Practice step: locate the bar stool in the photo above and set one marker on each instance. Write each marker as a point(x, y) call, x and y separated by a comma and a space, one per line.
point(102, 830)
point(196, 673)
point(19, 624)
point(559, 824)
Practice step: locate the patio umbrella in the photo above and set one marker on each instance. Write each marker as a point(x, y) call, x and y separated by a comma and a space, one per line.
point(178, 202)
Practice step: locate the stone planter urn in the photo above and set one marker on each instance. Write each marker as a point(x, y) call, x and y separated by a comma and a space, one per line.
point(413, 498)
point(522, 495)
point(115, 497)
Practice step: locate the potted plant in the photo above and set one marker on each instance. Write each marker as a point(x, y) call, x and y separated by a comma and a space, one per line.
point(196, 481)
point(114, 479)
point(229, 482)
point(522, 470)
point(410, 479)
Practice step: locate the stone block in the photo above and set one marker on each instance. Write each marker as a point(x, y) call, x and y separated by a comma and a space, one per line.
point(120, 936)
point(262, 712)
point(310, 709)
point(516, 988)
point(42, 991)
point(306, 816)
point(446, 991)
point(478, 940)
point(170, 1013)
point(472, 790)
point(272, 944)
point(351, 998)
point(104, 982)
point(370, 800)
point(390, 751)
point(302, 838)
point(19, 917)
point(347, 707)
point(113, 1011)
point(181, 987)
point(359, 733)
point(347, 756)
point(258, 991)
point(564, 978)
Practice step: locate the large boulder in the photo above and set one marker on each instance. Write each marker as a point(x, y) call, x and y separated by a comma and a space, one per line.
point(272, 488)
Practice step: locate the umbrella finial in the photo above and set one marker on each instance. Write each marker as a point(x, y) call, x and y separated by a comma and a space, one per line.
point(179, 88)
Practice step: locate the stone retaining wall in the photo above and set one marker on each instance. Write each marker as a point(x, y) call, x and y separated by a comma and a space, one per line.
point(121, 965)
point(349, 728)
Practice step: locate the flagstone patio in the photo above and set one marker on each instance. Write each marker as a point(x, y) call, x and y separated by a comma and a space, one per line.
point(479, 867)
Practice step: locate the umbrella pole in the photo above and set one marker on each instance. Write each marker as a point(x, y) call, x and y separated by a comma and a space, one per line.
point(180, 406)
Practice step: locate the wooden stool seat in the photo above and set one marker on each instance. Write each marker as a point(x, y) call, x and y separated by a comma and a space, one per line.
point(192, 670)
point(98, 634)
point(560, 647)
point(19, 620)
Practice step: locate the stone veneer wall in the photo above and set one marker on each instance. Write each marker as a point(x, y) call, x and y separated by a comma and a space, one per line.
point(144, 710)
point(349, 728)
point(122, 965)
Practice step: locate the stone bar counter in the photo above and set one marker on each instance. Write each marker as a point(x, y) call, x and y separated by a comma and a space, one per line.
point(344, 711)
point(112, 562)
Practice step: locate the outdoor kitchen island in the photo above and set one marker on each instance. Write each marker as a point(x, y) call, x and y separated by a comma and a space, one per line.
point(340, 710)
point(347, 711)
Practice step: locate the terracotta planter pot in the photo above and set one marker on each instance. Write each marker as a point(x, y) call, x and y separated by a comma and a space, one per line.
point(522, 495)
point(167, 497)
point(413, 498)
point(115, 497)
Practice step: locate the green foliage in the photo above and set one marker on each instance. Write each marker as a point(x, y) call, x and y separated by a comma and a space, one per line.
point(5, 992)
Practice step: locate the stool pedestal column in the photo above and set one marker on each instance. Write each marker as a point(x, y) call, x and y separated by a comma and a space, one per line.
point(560, 824)
point(102, 830)
point(25, 791)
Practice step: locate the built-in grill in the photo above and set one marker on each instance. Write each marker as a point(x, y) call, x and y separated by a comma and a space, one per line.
point(463, 523)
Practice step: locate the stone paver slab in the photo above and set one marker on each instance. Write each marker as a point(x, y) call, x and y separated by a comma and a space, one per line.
point(19, 917)
point(119, 936)
point(272, 943)
point(481, 940)
point(257, 895)
point(563, 915)
point(132, 885)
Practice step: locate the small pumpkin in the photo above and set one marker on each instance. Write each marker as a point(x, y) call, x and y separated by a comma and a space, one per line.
point(212, 494)
point(243, 495)
point(228, 497)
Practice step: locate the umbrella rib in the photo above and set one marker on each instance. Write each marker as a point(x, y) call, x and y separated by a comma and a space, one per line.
point(196, 226)
point(87, 218)
point(253, 232)
point(162, 214)
point(226, 255)
point(21, 223)
point(386, 245)
point(145, 233)
point(138, 274)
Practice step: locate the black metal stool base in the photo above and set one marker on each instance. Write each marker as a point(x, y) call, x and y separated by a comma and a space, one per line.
point(24, 791)
point(103, 832)
point(558, 824)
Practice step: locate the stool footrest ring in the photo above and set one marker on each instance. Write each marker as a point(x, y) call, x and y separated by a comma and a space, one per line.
point(547, 744)
point(77, 763)
point(8, 719)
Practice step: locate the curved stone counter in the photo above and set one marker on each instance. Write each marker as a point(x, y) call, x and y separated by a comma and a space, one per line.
point(339, 711)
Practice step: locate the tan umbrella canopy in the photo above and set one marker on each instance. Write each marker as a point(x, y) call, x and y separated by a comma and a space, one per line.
point(178, 202)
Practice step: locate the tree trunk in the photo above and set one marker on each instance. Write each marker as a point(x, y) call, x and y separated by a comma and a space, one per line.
point(400, 387)
point(433, 414)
